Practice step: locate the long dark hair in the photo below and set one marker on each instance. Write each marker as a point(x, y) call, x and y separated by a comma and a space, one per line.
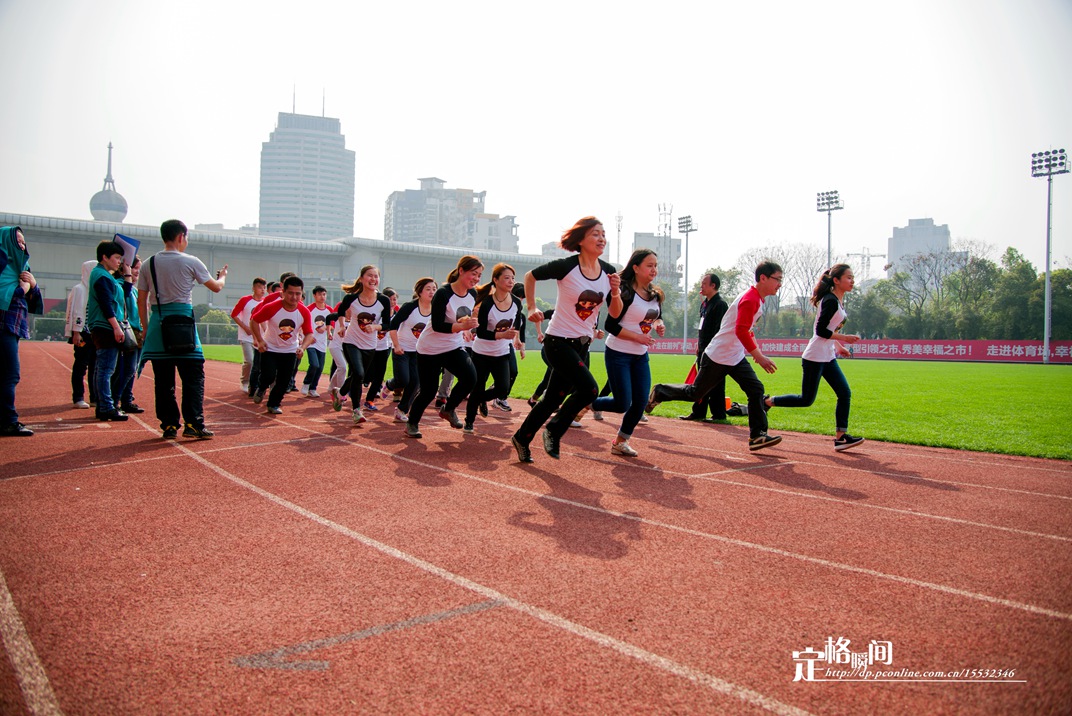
point(826, 282)
point(628, 273)
point(484, 291)
point(357, 286)
point(573, 236)
point(421, 283)
point(465, 263)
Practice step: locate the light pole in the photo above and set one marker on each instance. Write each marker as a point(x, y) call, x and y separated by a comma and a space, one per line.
point(1046, 164)
point(828, 201)
point(684, 226)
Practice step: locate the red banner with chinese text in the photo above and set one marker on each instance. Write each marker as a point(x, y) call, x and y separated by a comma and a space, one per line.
point(948, 350)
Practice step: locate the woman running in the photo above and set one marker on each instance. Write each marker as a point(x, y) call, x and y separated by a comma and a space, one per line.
point(442, 347)
point(406, 327)
point(367, 311)
point(584, 283)
point(821, 354)
point(499, 321)
point(626, 353)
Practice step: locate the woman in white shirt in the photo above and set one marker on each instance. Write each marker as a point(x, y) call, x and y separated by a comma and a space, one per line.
point(820, 356)
point(367, 312)
point(441, 346)
point(406, 327)
point(499, 319)
point(626, 353)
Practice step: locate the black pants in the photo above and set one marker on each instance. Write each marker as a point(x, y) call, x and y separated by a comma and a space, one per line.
point(85, 360)
point(498, 367)
point(276, 370)
point(429, 367)
point(192, 377)
point(358, 363)
point(255, 373)
point(377, 372)
point(715, 401)
point(406, 379)
point(708, 378)
point(568, 361)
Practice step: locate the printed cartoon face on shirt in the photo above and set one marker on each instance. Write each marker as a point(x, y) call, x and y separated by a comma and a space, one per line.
point(463, 312)
point(504, 325)
point(417, 328)
point(649, 321)
point(587, 303)
point(319, 325)
point(286, 329)
point(365, 319)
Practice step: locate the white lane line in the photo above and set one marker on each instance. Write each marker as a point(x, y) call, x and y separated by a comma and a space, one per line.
point(33, 681)
point(706, 535)
point(604, 640)
point(710, 477)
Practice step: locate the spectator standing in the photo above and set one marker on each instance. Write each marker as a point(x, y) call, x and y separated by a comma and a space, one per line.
point(19, 297)
point(105, 310)
point(176, 274)
point(85, 355)
point(712, 309)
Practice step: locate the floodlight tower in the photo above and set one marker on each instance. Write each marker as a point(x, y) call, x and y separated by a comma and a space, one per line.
point(686, 227)
point(618, 218)
point(1047, 164)
point(828, 201)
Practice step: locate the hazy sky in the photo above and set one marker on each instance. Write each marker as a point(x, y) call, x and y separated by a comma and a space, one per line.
point(734, 112)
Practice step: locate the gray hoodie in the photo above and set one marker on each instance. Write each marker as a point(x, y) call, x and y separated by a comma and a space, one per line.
point(76, 302)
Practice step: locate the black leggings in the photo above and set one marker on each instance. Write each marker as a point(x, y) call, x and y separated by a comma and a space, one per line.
point(358, 362)
point(459, 365)
point(498, 367)
point(568, 361)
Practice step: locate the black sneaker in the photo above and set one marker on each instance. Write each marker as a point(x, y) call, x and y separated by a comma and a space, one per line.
point(440, 402)
point(691, 416)
point(15, 429)
point(550, 443)
point(652, 403)
point(412, 431)
point(132, 408)
point(523, 452)
point(846, 441)
point(258, 396)
point(274, 410)
point(483, 408)
point(764, 441)
point(116, 416)
point(171, 432)
point(468, 429)
point(451, 417)
point(201, 433)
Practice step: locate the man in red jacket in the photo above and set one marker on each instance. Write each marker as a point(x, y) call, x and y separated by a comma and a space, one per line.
point(727, 355)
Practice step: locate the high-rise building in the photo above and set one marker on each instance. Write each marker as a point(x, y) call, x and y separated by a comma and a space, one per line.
point(668, 250)
point(307, 180)
point(921, 236)
point(439, 216)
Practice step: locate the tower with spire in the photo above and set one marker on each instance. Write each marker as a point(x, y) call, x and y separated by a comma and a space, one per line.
point(108, 204)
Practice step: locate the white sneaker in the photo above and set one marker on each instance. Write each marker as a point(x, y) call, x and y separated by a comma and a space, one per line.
point(623, 448)
point(401, 417)
point(359, 417)
point(305, 390)
point(314, 394)
point(245, 387)
point(643, 418)
point(597, 415)
point(81, 404)
point(575, 424)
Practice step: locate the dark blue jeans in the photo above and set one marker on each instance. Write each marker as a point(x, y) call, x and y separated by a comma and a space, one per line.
point(316, 367)
point(9, 376)
point(123, 378)
point(108, 364)
point(809, 387)
point(630, 380)
point(708, 377)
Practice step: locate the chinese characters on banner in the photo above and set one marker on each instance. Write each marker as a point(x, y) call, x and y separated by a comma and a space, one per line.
point(948, 350)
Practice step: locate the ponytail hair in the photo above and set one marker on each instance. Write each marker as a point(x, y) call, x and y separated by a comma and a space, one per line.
point(357, 286)
point(826, 282)
point(465, 263)
point(628, 274)
point(484, 291)
point(418, 287)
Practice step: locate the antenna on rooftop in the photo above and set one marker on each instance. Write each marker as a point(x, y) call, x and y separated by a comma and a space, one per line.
point(294, 99)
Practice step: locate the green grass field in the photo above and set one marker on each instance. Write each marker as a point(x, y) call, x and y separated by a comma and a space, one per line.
point(1013, 409)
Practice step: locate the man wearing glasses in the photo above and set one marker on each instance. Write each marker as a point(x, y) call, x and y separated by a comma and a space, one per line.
point(727, 355)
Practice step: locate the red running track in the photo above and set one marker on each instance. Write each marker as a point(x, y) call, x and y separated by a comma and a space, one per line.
point(299, 564)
